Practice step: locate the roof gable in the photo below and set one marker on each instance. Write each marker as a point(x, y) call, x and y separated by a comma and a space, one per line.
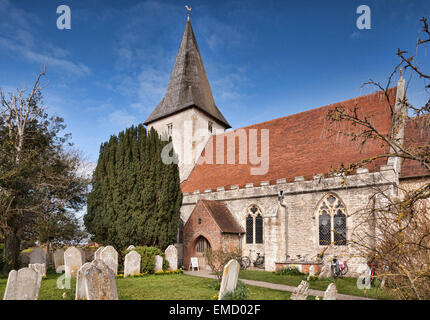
point(220, 214)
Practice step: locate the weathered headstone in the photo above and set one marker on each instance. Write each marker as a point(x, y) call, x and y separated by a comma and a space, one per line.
point(311, 270)
point(132, 264)
point(325, 271)
point(23, 284)
point(301, 292)
point(331, 292)
point(171, 255)
point(110, 256)
point(98, 252)
point(58, 258)
point(40, 267)
point(229, 278)
point(72, 261)
point(37, 255)
point(100, 282)
point(158, 263)
point(81, 290)
point(131, 247)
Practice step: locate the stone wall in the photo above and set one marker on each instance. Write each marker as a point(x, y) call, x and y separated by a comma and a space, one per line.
point(185, 127)
point(301, 200)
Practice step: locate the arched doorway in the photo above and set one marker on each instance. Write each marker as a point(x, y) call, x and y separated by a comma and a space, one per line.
point(202, 244)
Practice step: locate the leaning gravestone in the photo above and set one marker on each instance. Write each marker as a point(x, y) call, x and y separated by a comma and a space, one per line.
point(301, 292)
point(331, 292)
point(229, 278)
point(100, 282)
point(81, 289)
point(131, 247)
point(72, 261)
point(171, 255)
point(23, 284)
point(98, 252)
point(58, 258)
point(132, 264)
point(110, 256)
point(40, 267)
point(158, 263)
point(37, 256)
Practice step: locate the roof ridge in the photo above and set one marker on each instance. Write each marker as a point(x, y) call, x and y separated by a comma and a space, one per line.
point(309, 110)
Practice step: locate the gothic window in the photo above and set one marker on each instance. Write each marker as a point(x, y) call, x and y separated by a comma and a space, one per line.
point(258, 229)
point(210, 127)
point(249, 229)
point(254, 219)
point(169, 129)
point(332, 221)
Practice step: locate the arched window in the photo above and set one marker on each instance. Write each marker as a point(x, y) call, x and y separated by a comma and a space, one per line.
point(259, 229)
point(249, 229)
point(332, 221)
point(254, 217)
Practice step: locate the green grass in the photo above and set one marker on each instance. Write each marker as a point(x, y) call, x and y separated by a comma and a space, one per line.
point(343, 285)
point(152, 287)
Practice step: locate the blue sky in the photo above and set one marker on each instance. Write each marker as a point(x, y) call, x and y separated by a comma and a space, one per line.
point(264, 59)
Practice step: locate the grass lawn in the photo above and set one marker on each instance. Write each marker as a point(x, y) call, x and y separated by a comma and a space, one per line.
point(343, 285)
point(153, 287)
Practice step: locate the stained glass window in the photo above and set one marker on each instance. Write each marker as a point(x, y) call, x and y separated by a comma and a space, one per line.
point(259, 229)
point(249, 229)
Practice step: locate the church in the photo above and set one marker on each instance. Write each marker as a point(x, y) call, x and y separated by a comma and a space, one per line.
point(269, 189)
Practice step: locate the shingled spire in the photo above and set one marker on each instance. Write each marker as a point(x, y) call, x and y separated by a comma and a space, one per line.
point(188, 86)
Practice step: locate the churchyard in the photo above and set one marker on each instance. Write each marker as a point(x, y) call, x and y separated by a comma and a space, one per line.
point(103, 276)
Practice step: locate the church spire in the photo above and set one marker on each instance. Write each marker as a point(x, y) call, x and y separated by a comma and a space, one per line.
point(188, 86)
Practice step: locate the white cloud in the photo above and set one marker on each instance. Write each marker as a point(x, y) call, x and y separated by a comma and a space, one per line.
point(19, 37)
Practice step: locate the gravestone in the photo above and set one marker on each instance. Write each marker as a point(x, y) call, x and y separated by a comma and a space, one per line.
point(131, 247)
point(110, 256)
point(325, 271)
point(98, 252)
point(23, 284)
point(158, 263)
point(171, 255)
point(37, 256)
point(81, 290)
point(58, 259)
point(311, 270)
point(331, 292)
point(40, 267)
point(301, 292)
point(72, 261)
point(100, 282)
point(229, 278)
point(132, 264)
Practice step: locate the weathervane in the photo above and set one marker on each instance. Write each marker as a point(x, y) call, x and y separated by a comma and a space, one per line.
point(189, 11)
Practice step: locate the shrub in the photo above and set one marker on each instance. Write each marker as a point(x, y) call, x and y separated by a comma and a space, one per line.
point(240, 293)
point(147, 255)
point(290, 271)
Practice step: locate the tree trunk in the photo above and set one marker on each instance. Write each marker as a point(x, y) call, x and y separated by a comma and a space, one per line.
point(12, 247)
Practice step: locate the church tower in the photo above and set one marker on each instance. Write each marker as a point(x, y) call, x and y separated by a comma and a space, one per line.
point(187, 111)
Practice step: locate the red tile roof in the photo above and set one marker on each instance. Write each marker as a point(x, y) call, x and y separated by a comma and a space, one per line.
point(222, 216)
point(416, 135)
point(300, 145)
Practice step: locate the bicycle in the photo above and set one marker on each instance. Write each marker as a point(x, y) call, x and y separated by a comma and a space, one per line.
point(338, 269)
point(259, 262)
point(244, 262)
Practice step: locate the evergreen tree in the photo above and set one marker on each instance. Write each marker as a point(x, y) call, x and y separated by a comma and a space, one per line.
point(135, 197)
